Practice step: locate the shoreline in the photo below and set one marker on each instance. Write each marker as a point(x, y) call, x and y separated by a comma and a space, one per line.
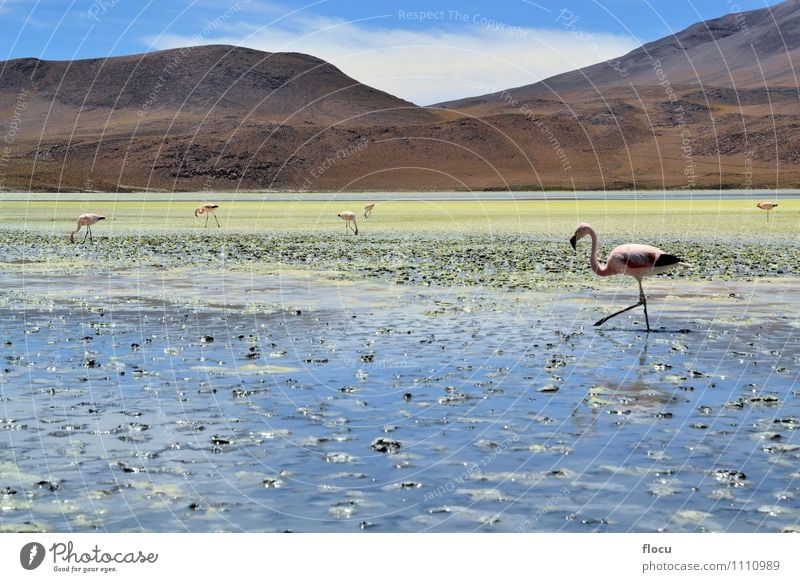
point(404, 196)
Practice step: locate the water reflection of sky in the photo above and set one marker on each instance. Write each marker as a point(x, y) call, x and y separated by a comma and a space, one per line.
point(191, 402)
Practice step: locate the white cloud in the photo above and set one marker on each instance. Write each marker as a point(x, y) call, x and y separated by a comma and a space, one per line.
point(423, 66)
point(7, 6)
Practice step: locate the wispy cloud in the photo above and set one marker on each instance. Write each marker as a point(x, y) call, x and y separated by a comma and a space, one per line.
point(7, 6)
point(424, 65)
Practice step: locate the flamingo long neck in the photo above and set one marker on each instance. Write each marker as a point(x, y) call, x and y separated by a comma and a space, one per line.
point(601, 269)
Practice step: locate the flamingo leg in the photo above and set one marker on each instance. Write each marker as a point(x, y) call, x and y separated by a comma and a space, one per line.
point(88, 233)
point(606, 318)
point(217, 219)
point(642, 301)
point(206, 220)
point(355, 227)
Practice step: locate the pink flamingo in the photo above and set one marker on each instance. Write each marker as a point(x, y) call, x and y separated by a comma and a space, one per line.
point(767, 206)
point(368, 210)
point(207, 209)
point(634, 260)
point(349, 217)
point(86, 220)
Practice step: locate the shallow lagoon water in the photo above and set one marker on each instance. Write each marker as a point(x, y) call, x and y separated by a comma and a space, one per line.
point(147, 399)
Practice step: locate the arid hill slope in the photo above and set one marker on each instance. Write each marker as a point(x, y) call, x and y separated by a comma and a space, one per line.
point(715, 105)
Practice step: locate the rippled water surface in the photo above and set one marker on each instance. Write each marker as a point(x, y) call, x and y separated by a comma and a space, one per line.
point(196, 400)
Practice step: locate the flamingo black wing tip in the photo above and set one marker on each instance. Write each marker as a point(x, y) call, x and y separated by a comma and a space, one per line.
point(666, 260)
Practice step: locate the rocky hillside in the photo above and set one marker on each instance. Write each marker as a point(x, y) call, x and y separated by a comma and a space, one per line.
point(715, 105)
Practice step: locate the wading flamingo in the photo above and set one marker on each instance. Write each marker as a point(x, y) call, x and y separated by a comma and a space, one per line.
point(86, 220)
point(634, 260)
point(368, 210)
point(207, 209)
point(767, 206)
point(349, 217)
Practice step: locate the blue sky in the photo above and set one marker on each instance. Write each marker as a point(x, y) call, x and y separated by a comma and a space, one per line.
point(424, 51)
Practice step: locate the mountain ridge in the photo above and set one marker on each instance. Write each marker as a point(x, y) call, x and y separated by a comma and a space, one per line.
point(269, 86)
point(232, 118)
point(717, 41)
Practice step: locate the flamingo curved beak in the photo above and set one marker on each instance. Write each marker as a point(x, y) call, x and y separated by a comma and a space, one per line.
point(573, 242)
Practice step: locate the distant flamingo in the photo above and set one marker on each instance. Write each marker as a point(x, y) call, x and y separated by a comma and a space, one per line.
point(368, 210)
point(207, 209)
point(349, 217)
point(86, 220)
point(634, 260)
point(767, 206)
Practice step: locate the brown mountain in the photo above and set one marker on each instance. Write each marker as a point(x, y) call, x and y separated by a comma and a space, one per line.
point(213, 116)
point(749, 50)
point(714, 105)
point(209, 80)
